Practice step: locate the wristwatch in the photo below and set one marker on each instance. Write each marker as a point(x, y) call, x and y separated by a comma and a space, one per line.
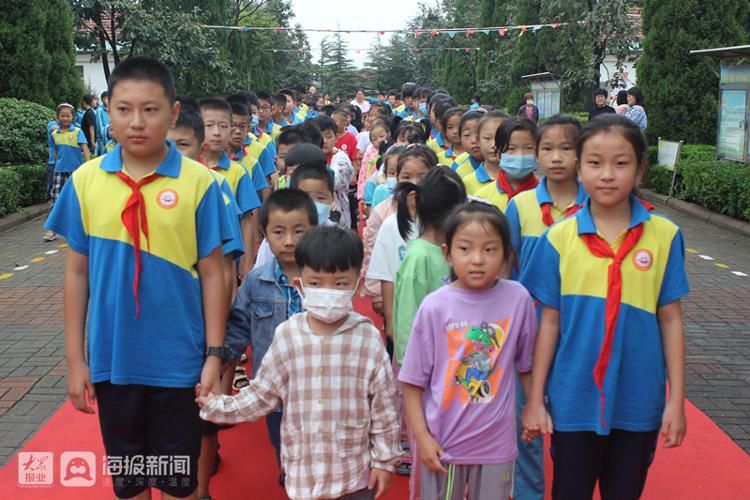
point(215, 351)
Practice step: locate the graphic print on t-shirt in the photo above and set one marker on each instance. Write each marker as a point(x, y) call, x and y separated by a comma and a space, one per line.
point(473, 375)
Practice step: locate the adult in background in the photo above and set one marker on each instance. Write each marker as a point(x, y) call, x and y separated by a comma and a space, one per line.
point(600, 104)
point(622, 102)
point(529, 110)
point(361, 102)
point(636, 111)
point(88, 121)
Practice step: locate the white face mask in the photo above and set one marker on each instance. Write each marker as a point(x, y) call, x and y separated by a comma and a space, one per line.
point(327, 304)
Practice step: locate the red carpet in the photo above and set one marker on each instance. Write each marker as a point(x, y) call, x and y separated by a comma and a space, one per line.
point(708, 466)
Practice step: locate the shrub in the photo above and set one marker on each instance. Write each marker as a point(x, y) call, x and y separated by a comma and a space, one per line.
point(23, 131)
point(659, 178)
point(34, 184)
point(10, 189)
point(719, 185)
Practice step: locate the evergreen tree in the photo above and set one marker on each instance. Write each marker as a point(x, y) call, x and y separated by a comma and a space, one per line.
point(24, 62)
point(680, 89)
point(63, 80)
point(336, 68)
point(524, 60)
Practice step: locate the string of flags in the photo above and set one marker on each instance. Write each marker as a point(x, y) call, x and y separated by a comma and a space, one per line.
point(416, 32)
point(358, 51)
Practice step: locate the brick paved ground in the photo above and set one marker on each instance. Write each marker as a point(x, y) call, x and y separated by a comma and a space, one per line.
point(32, 368)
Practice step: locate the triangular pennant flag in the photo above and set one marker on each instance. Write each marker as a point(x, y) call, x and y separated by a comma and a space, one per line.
point(434, 33)
point(417, 33)
point(381, 33)
point(469, 32)
point(485, 32)
point(417, 50)
point(523, 29)
point(467, 50)
point(246, 29)
point(555, 25)
point(502, 31)
point(536, 27)
point(278, 30)
point(451, 34)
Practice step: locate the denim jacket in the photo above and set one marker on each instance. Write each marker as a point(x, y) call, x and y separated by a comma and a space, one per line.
point(260, 306)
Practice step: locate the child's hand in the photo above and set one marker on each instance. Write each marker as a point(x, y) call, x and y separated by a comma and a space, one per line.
point(202, 399)
point(381, 479)
point(79, 384)
point(674, 424)
point(210, 376)
point(535, 420)
point(429, 452)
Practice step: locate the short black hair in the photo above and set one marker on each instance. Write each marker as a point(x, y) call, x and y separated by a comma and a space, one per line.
point(264, 96)
point(570, 124)
point(143, 68)
point(190, 118)
point(88, 99)
point(304, 153)
point(326, 123)
point(104, 94)
point(315, 171)
point(328, 109)
point(279, 100)
point(239, 109)
point(329, 249)
point(313, 130)
point(505, 131)
point(408, 89)
point(293, 135)
point(216, 103)
point(288, 200)
point(600, 91)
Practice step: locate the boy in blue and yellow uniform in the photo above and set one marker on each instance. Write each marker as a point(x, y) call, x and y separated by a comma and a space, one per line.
point(145, 228)
point(265, 115)
point(218, 118)
point(245, 149)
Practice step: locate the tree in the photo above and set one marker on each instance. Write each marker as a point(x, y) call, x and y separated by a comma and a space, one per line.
point(36, 53)
point(680, 89)
point(336, 69)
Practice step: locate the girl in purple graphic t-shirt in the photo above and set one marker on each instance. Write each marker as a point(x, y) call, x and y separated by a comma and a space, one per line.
point(458, 374)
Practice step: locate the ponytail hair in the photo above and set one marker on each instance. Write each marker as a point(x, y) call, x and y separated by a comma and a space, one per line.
point(436, 194)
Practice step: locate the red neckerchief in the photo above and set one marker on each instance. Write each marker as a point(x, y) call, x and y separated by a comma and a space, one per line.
point(547, 213)
point(234, 157)
point(600, 248)
point(135, 209)
point(504, 185)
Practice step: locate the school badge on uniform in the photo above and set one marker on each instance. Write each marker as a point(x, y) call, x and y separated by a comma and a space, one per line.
point(643, 259)
point(167, 198)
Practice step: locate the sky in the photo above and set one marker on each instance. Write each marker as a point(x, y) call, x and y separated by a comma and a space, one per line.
point(353, 14)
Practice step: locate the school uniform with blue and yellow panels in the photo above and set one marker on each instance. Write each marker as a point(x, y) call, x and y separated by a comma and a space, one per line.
point(465, 164)
point(273, 129)
point(65, 147)
point(477, 179)
point(240, 181)
point(257, 149)
point(563, 273)
point(527, 222)
point(444, 152)
point(235, 247)
point(143, 241)
point(267, 141)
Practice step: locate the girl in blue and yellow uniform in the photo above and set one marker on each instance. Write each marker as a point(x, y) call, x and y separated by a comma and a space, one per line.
point(530, 213)
point(610, 279)
point(509, 159)
point(69, 150)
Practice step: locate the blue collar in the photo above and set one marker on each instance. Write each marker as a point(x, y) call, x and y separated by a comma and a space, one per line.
point(224, 162)
point(269, 126)
point(481, 173)
point(439, 139)
point(170, 167)
point(638, 214)
point(543, 196)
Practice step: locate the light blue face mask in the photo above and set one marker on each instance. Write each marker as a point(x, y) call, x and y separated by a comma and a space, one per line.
point(391, 182)
point(323, 212)
point(517, 166)
point(255, 121)
point(422, 108)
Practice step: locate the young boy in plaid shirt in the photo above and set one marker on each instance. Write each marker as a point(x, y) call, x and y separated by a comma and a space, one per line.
point(329, 367)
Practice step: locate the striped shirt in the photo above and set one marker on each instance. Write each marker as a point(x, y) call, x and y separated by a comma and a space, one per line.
point(340, 411)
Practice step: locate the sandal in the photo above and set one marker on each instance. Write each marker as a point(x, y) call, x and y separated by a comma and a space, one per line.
point(240, 379)
point(243, 358)
point(50, 236)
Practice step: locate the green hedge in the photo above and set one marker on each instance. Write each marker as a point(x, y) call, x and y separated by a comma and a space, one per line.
point(21, 186)
point(722, 186)
point(23, 131)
